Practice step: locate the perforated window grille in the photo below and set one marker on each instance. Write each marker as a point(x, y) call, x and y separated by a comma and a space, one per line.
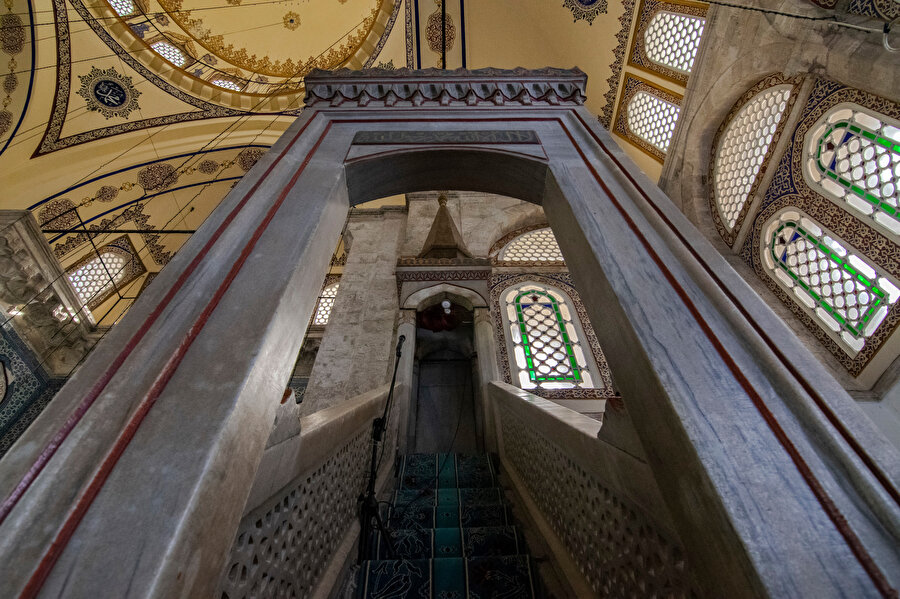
point(546, 339)
point(853, 158)
point(534, 246)
point(170, 53)
point(92, 280)
point(652, 119)
point(123, 8)
point(672, 40)
point(227, 84)
point(847, 296)
point(743, 149)
point(326, 303)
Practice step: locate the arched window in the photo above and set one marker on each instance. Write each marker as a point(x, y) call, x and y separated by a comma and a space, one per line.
point(326, 303)
point(535, 246)
point(170, 52)
point(672, 39)
point(652, 119)
point(844, 293)
point(124, 8)
point(743, 150)
point(852, 157)
point(547, 344)
point(96, 279)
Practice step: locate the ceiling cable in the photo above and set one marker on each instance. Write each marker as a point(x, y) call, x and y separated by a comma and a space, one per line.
point(830, 20)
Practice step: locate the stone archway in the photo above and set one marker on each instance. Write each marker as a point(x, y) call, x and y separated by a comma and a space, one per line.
point(162, 428)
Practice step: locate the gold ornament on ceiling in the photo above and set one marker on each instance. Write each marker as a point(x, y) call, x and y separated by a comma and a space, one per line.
point(331, 58)
point(291, 21)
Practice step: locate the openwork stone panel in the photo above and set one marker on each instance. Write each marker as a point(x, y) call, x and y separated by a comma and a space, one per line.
point(847, 296)
point(96, 278)
point(617, 548)
point(853, 158)
point(282, 549)
point(326, 303)
point(170, 53)
point(647, 116)
point(743, 151)
point(123, 8)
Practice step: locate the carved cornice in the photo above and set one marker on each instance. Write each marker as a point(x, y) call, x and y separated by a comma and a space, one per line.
point(405, 87)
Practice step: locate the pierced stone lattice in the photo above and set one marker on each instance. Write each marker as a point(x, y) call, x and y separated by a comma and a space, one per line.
point(326, 303)
point(123, 8)
point(227, 84)
point(743, 150)
point(853, 158)
point(92, 280)
point(170, 53)
point(617, 549)
point(546, 339)
point(652, 119)
point(282, 549)
point(535, 246)
point(845, 294)
point(672, 40)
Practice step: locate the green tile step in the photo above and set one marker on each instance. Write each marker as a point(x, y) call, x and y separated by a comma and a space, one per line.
point(502, 577)
point(422, 517)
point(447, 470)
point(479, 541)
point(451, 496)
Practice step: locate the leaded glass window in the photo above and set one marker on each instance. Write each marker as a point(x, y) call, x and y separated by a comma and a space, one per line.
point(846, 295)
point(123, 8)
point(548, 348)
point(672, 40)
point(534, 246)
point(853, 158)
point(170, 53)
point(743, 149)
point(97, 278)
point(326, 303)
point(652, 119)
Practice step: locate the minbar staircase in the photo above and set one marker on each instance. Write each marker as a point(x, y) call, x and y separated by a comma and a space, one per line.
point(452, 535)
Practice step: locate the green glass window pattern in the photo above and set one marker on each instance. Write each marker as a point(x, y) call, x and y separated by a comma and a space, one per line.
point(853, 158)
point(846, 295)
point(546, 339)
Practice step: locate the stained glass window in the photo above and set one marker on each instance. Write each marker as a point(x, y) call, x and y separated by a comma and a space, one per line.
point(672, 40)
point(534, 246)
point(853, 158)
point(652, 119)
point(97, 278)
point(546, 339)
point(743, 149)
point(123, 8)
point(326, 303)
point(170, 53)
point(845, 294)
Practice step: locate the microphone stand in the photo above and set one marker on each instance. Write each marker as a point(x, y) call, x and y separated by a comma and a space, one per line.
point(369, 516)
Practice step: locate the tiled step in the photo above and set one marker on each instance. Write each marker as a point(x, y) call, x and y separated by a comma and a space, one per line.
point(423, 471)
point(422, 517)
point(483, 577)
point(452, 496)
point(450, 542)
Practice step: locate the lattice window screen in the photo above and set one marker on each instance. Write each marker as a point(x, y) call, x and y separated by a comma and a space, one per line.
point(227, 84)
point(743, 149)
point(845, 294)
point(652, 119)
point(326, 303)
point(853, 158)
point(534, 246)
point(170, 53)
point(123, 8)
point(672, 40)
point(93, 281)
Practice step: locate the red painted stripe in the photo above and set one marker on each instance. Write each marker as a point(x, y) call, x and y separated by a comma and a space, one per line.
point(860, 451)
point(97, 388)
point(84, 502)
point(828, 505)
